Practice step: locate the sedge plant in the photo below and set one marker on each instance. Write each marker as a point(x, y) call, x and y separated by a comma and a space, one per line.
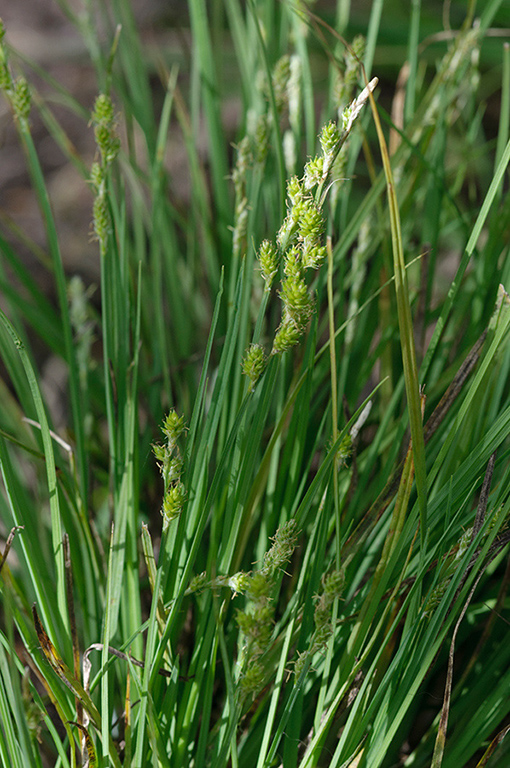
point(278, 510)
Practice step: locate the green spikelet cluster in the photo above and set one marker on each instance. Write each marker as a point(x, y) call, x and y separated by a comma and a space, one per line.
point(284, 543)
point(253, 679)
point(254, 362)
point(101, 218)
point(108, 144)
point(269, 262)
point(239, 177)
point(198, 583)
point(16, 91)
point(333, 585)
point(257, 620)
point(21, 99)
point(332, 588)
point(346, 80)
point(281, 76)
point(299, 246)
point(453, 557)
point(261, 139)
point(170, 465)
point(105, 129)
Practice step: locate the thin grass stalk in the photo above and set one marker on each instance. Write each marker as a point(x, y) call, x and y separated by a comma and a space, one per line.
point(149, 670)
point(207, 72)
point(300, 37)
point(334, 390)
point(74, 685)
point(487, 15)
point(406, 334)
point(39, 185)
point(492, 747)
point(435, 631)
point(74, 634)
point(56, 520)
point(278, 686)
point(335, 470)
point(240, 37)
point(277, 143)
point(207, 700)
point(39, 575)
point(476, 655)
point(354, 728)
point(496, 341)
point(105, 725)
point(412, 58)
point(489, 198)
point(437, 757)
point(131, 589)
point(366, 613)
point(504, 114)
point(61, 750)
point(15, 746)
point(134, 81)
point(419, 655)
point(201, 205)
point(158, 202)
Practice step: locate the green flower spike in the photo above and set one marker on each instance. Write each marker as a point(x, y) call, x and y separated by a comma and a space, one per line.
point(173, 502)
point(281, 74)
point(314, 173)
point(268, 262)
point(173, 427)
point(101, 219)
point(287, 336)
point(253, 679)
point(254, 363)
point(105, 130)
point(21, 99)
point(330, 140)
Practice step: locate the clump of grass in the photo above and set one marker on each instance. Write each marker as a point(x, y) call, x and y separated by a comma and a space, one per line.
point(288, 574)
